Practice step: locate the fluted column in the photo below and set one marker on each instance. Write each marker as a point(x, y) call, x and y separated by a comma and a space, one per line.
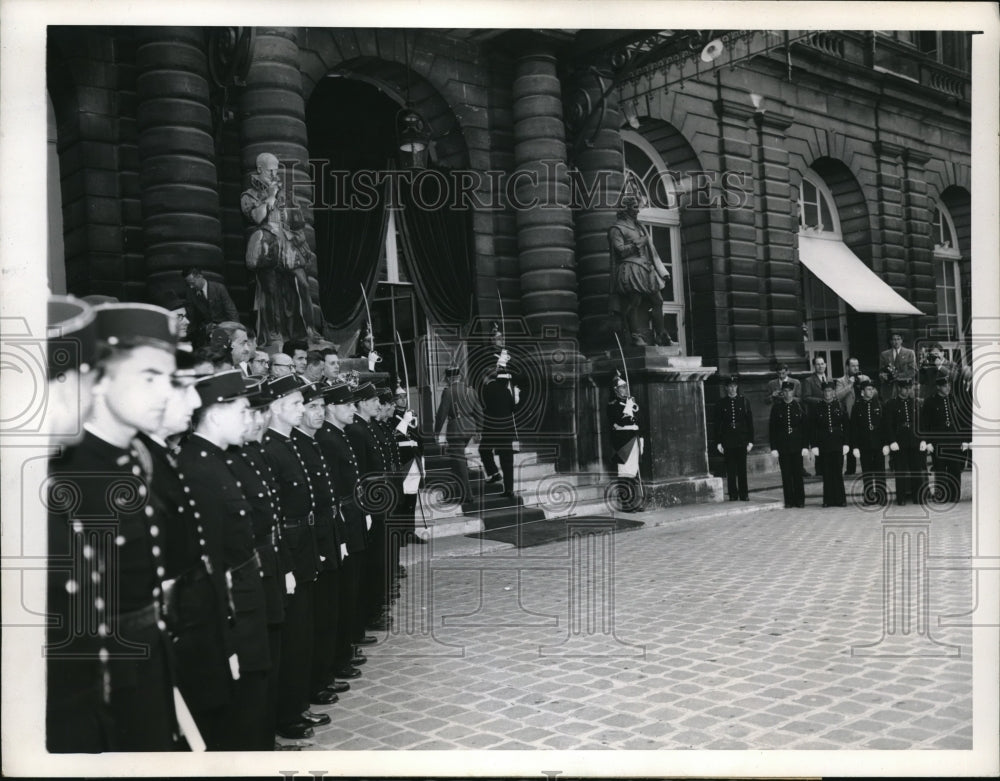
point(179, 183)
point(273, 114)
point(544, 219)
point(600, 169)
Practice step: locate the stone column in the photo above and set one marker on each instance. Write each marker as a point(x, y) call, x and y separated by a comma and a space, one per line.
point(918, 243)
point(544, 221)
point(888, 255)
point(179, 182)
point(273, 115)
point(735, 252)
point(599, 164)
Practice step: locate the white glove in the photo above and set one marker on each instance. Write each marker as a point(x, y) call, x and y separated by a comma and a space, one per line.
point(815, 451)
point(774, 453)
point(373, 358)
point(234, 667)
point(503, 358)
point(289, 582)
point(923, 446)
point(856, 453)
point(965, 446)
point(343, 551)
point(642, 445)
point(720, 449)
point(517, 395)
point(894, 447)
point(322, 558)
point(846, 450)
point(749, 446)
point(442, 439)
point(805, 451)
point(885, 450)
point(515, 446)
point(930, 448)
point(368, 522)
point(404, 423)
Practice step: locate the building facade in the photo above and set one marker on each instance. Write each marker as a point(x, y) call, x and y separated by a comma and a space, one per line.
point(809, 190)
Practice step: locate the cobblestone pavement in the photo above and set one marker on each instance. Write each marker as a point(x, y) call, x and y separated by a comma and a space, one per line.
point(732, 626)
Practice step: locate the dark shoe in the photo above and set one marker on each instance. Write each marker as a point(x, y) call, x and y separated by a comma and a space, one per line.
point(744, 498)
point(295, 731)
point(348, 673)
point(338, 687)
point(497, 478)
point(316, 719)
point(323, 697)
point(366, 640)
point(638, 341)
point(357, 661)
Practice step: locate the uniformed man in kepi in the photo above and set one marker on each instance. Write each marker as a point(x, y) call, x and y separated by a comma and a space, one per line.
point(72, 351)
point(734, 431)
point(787, 433)
point(106, 561)
point(627, 444)
point(906, 450)
point(940, 425)
point(221, 423)
point(296, 499)
point(866, 439)
point(410, 447)
point(501, 398)
point(828, 437)
point(340, 455)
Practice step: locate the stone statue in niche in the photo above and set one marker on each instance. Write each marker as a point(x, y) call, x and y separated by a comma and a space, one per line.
point(637, 277)
point(279, 254)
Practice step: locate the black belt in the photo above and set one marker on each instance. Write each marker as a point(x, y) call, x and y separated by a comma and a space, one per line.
point(304, 520)
point(136, 620)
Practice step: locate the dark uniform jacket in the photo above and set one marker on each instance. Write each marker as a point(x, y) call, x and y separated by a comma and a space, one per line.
point(734, 423)
point(900, 418)
point(939, 420)
point(343, 465)
point(296, 501)
point(374, 462)
point(197, 605)
point(828, 426)
point(866, 430)
point(228, 523)
point(409, 445)
point(328, 525)
point(248, 466)
point(787, 427)
point(499, 407)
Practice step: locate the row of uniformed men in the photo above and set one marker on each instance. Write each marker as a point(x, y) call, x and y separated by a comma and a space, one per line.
point(218, 544)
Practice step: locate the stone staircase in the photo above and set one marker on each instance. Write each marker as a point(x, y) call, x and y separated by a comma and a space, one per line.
point(540, 492)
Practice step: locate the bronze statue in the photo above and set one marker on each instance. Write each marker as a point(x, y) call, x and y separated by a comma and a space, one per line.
point(637, 276)
point(279, 254)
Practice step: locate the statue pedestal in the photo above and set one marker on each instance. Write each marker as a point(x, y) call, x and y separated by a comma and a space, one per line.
point(669, 389)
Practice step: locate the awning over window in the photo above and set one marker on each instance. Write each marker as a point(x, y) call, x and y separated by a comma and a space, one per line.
point(846, 275)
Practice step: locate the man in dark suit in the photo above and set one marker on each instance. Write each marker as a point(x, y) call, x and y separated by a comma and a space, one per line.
point(896, 363)
point(208, 304)
point(812, 397)
point(734, 434)
point(459, 411)
point(787, 437)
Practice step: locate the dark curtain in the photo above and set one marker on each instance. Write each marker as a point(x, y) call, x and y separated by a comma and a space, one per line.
point(437, 247)
point(352, 241)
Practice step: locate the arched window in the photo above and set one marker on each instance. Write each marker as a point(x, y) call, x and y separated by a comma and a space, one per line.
point(825, 317)
point(948, 281)
point(648, 177)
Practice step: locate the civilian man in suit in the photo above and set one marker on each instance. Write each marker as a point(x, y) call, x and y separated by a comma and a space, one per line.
point(734, 434)
point(812, 397)
point(774, 386)
point(459, 411)
point(896, 363)
point(208, 304)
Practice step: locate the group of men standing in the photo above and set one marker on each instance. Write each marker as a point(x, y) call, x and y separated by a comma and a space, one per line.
point(851, 419)
point(220, 544)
